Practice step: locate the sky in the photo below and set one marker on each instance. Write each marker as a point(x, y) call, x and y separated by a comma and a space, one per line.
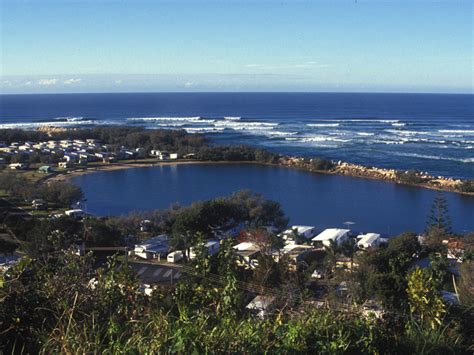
point(165, 46)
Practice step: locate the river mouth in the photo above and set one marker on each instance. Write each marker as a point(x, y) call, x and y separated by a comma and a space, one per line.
point(306, 198)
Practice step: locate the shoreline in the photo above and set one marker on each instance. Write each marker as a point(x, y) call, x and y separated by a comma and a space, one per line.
point(342, 169)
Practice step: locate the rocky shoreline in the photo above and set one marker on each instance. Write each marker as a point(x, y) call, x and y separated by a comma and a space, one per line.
point(412, 178)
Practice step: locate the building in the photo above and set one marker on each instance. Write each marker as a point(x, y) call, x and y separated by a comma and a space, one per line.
point(332, 235)
point(76, 213)
point(153, 248)
point(174, 156)
point(306, 232)
point(247, 254)
point(18, 166)
point(212, 246)
point(39, 204)
point(45, 169)
point(261, 306)
point(368, 241)
point(296, 253)
point(64, 164)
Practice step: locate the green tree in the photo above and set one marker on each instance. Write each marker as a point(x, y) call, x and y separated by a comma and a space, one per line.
point(439, 222)
point(424, 298)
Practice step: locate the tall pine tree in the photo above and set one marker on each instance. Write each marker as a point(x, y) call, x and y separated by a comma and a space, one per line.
point(439, 222)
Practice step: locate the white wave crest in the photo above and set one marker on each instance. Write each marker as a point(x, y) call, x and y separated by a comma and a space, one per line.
point(459, 131)
point(365, 134)
point(196, 118)
point(323, 125)
point(434, 157)
point(232, 118)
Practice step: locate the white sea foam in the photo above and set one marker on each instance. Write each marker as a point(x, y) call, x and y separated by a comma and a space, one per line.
point(203, 129)
point(398, 124)
point(252, 125)
point(322, 124)
point(32, 125)
point(434, 157)
point(70, 118)
point(232, 118)
point(171, 124)
point(318, 139)
point(365, 134)
point(459, 131)
point(363, 120)
point(193, 119)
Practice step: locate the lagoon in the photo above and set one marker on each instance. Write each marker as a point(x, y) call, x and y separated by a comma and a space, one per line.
point(307, 198)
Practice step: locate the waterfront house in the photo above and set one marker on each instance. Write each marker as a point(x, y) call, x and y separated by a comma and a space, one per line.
point(296, 253)
point(332, 235)
point(64, 164)
point(173, 155)
point(18, 166)
point(75, 213)
point(305, 232)
point(368, 241)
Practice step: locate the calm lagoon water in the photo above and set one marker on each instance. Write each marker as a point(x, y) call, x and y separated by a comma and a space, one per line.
point(307, 198)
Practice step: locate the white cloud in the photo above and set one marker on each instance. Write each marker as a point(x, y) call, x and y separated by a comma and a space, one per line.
point(120, 81)
point(47, 82)
point(72, 81)
point(188, 84)
point(27, 83)
point(252, 65)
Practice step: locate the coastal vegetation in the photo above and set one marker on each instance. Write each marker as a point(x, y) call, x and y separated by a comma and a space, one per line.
point(65, 303)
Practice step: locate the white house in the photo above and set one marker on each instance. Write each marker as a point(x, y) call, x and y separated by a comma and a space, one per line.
point(211, 245)
point(302, 231)
point(18, 166)
point(247, 253)
point(334, 235)
point(152, 248)
point(76, 213)
point(174, 156)
point(368, 241)
point(261, 306)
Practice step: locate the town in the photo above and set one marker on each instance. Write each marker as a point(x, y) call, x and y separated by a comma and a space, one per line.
point(235, 254)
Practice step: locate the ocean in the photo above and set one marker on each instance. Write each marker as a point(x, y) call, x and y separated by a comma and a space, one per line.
point(427, 132)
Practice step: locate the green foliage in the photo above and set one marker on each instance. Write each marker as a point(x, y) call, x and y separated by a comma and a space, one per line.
point(321, 164)
point(411, 177)
point(466, 186)
point(439, 222)
point(65, 305)
point(424, 298)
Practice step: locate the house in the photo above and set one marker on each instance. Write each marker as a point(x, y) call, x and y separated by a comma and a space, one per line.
point(45, 169)
point(18, 166)
point(39, 204)
point(174, 156)
point(296, 252)
point(247, 254)
point(175, 256)
point(76, 213)
point(64, 164)
point(153, 248)
point(455, 248)
point(305, 232)
point(212, 247)
point(332, 235)
point(161, 155)
point(368, 241)
point(261, 306)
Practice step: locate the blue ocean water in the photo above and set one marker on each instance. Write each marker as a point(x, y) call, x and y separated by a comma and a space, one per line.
point(428, 132)
point(307, 198)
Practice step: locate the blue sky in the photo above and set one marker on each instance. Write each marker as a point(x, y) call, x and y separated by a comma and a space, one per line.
point(337, 45)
